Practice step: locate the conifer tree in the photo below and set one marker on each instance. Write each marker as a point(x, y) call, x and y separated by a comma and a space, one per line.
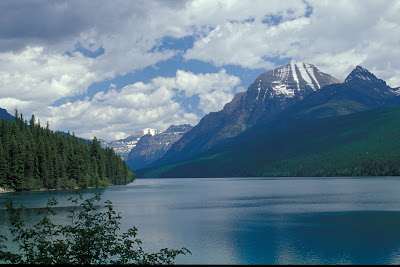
point(16, 175)
point(3, 166)
point(34, 157)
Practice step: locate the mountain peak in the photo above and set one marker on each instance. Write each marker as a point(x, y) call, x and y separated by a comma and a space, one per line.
point(150, 148)
point(151, 131)
point(295, 79)
point(359, 73)
point(299, 63)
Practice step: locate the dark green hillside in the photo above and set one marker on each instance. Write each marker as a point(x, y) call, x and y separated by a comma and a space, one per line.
point(360, 144)
point(34, 157)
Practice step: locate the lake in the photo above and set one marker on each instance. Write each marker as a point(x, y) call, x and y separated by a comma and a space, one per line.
point(255, 220)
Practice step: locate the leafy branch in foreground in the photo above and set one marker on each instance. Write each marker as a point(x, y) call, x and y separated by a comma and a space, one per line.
point(91, 237)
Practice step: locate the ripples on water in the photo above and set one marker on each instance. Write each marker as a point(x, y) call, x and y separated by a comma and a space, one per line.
point(256, 220)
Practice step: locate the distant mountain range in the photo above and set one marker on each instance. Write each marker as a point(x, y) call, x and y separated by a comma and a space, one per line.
point(144, 147)
point(152, 143)
point(292, 121)
point(152, 147)
point(270, 93)
point(124, 146)
point(296, 121)
point(359, 144)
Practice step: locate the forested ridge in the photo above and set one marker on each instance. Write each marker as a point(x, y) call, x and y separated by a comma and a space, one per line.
point(34, 157)
point(360, 144)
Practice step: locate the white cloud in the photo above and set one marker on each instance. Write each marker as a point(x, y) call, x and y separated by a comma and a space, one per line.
point(90, 118)
point(34, 75)
point(335, 37)
point(239, 36)
point(346, 34)
point(129, 30)
point(246, 44)
point(35, 71)
point(126, 30)
point(117, 113)
point(10, 104)
point(212, 101)
point(213, 89)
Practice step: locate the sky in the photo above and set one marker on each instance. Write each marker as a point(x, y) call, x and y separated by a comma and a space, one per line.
point(110, 68)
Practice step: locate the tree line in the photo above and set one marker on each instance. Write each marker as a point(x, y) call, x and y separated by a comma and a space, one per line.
point(34, 157)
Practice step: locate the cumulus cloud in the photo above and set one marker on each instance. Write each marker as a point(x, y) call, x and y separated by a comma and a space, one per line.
point(246, 44)
point(159, 91)
point(127, 30)
point(110, 122)
point(37, 76)
point(347, 34)
point(36, 71)
point(117, 113)
point(335, 37)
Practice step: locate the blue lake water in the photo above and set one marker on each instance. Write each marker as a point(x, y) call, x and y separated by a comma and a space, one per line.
point(254, 220)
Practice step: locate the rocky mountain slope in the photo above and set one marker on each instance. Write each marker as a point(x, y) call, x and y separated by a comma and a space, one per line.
point(359, 144)
point(151, 147)
point(124, 146)
point(360, 91)
point(343, 129)
point(270, 93)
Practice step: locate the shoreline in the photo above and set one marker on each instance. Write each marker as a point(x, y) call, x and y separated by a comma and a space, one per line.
point(4, 191)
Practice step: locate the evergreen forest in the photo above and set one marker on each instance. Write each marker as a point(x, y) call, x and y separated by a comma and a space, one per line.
point(33, 157)
point(360, 144)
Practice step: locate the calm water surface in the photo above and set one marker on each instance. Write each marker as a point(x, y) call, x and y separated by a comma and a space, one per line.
point(255, 220)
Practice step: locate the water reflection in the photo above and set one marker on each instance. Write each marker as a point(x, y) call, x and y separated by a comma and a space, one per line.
point(256, 220)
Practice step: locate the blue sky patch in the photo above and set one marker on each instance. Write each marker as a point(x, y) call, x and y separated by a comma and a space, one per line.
point(86, 52)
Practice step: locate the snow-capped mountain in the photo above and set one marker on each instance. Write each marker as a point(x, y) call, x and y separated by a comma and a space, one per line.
point(151, 147)
point(271, 92)
point(360, 91)
point(295, 79)
point(278, 89)
point(328, 123)
point(124, 146)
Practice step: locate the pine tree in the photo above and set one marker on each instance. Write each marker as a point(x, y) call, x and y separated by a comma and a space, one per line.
point(16, 175)
point(3, 166)
point(95, 173)
point(35, 157)
point(43, 166)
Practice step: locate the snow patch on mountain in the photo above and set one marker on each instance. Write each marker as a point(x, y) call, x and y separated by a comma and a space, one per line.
point(292, 70)
point(151, 131)
point(361, 74)
point(150, 148)
point(311, 72)
point(124, 146)
point(270, 93)
point(259, 89)
point(281, 89)
point(396, 91)
point(306, 73)
point(294, 76)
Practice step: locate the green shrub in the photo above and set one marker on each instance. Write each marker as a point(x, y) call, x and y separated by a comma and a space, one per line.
point(90, 237)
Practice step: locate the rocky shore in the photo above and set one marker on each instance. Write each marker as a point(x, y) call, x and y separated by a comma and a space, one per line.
point(2, 190)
